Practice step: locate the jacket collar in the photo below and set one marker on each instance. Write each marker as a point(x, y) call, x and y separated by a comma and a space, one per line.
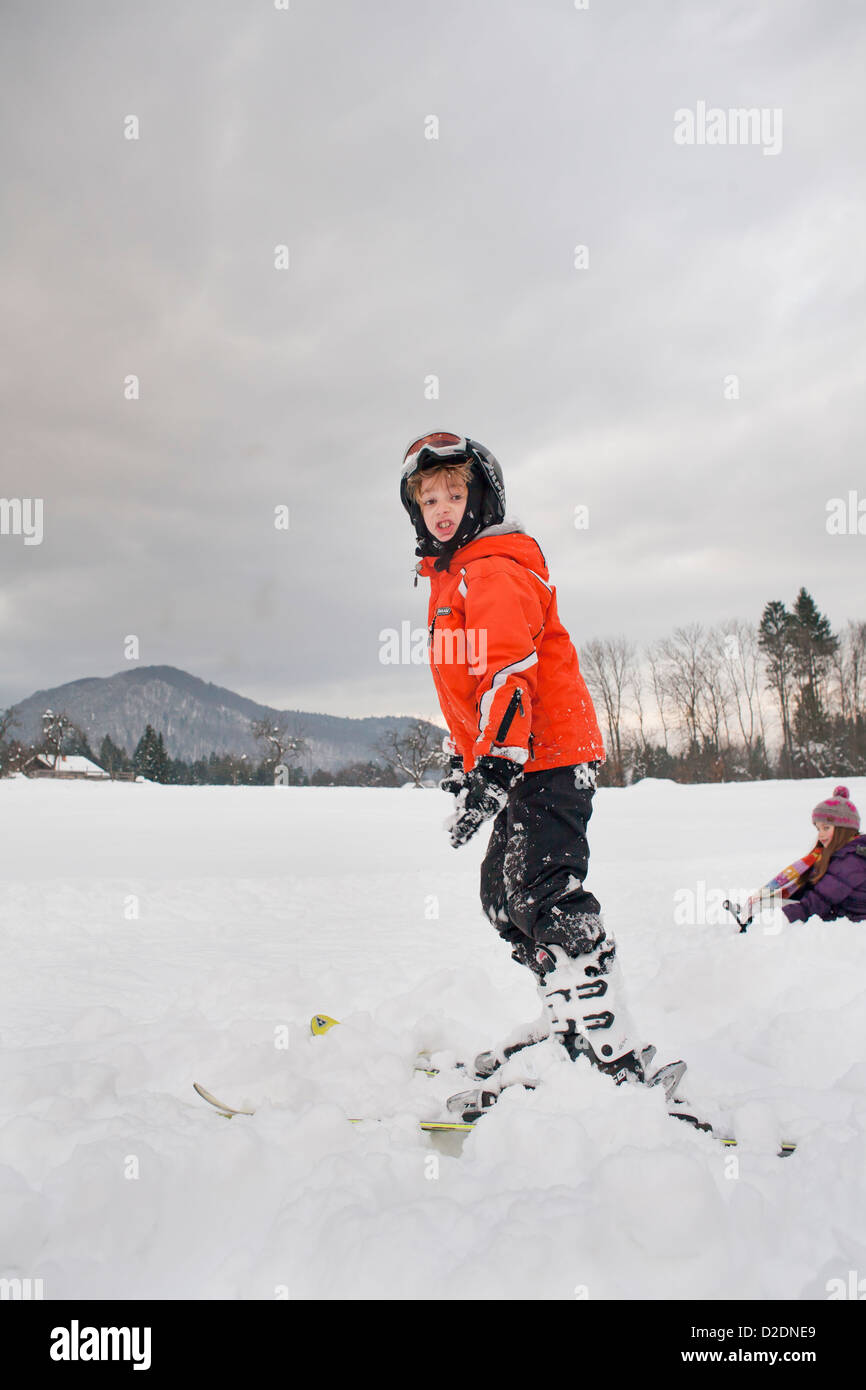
point(507, 538)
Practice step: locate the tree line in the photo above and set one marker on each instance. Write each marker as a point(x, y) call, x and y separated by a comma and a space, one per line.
point(404, 755)
point(785, 697)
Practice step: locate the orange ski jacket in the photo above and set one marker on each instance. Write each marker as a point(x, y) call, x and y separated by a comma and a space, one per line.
point(505, 669)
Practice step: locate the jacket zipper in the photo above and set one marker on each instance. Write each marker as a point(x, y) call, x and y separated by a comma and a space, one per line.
point(515, 703)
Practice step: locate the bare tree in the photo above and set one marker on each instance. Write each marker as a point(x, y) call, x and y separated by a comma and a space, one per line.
point(850, 669)
point(839, 694)
point(683, 676)
point(8, 718)
point(15, 757)
point(714, 703)
point(9, 754)
point(283, 745)
point(856, 637)
point(635, 688)
point(655, 662)
point(740, 659)
point(299, 731)
point(606, 665)
point(412, 751)
point(55, 728)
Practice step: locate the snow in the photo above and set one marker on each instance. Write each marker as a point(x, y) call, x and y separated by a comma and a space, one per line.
point(154, 936)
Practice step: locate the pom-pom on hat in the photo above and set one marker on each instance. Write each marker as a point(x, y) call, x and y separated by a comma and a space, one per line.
point(838, 809)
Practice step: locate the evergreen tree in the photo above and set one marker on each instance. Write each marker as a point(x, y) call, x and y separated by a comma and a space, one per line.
point(814, 645)
point(77, 744)
point(142, 758)
point(757, 765)
point(162, 761)
point(776, 640)
point(178, 773)
point(369, 774)
point(149, 759)
point(645, 759)
point(113, 759)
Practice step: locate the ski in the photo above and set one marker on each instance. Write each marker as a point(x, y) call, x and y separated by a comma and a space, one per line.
point(460, 1126)
point(321, 1023)
point(226, 1110)
point(430, 1126)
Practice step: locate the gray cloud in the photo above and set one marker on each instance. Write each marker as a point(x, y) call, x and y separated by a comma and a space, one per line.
point(411, 257)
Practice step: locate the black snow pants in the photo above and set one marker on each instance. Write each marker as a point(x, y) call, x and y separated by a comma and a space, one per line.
point(532, 877)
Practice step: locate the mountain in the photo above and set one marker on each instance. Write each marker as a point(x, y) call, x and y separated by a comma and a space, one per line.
point(194, 717)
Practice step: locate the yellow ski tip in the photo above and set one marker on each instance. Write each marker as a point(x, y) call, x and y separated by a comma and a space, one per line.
point(320, 1023)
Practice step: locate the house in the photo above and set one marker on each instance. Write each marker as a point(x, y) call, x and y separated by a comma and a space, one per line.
point(43, 765)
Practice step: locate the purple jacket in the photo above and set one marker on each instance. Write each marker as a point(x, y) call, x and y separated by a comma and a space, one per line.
point(840, 893)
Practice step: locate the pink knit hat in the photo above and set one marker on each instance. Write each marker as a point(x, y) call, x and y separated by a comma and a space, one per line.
point(838, 809)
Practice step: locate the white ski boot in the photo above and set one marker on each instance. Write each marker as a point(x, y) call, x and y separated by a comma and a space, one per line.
point(584, 998)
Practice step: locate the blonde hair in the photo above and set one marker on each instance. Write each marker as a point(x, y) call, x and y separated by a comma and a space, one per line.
point(460, 472)
point(842, 835)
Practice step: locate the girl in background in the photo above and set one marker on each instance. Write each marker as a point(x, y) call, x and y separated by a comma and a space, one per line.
point(830, 881)
point(835, 886)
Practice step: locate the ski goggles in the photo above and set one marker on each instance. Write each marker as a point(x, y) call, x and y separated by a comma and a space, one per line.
point(439, 445)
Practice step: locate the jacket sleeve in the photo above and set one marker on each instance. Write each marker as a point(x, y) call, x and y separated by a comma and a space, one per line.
point(823, 900)
point(504, 616)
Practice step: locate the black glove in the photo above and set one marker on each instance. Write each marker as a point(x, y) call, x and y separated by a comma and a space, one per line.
point(455, 779)
point(484, 794)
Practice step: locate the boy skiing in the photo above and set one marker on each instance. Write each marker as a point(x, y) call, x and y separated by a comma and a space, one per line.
point(525, 746)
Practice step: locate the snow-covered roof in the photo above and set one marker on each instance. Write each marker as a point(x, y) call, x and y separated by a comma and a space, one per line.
point(75, 763)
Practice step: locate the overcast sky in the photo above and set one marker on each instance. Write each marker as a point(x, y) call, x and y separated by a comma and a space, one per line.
point(606, 385)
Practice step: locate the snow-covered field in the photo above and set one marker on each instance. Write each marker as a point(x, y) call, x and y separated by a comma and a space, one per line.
point(152, 936)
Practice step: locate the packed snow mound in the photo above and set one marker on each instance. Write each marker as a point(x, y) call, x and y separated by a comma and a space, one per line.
point(156, 936)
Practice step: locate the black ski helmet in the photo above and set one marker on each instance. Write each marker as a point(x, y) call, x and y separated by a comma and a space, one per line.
point(485, 505)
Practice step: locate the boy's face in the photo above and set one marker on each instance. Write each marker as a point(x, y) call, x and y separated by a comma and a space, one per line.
point(442, 504)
